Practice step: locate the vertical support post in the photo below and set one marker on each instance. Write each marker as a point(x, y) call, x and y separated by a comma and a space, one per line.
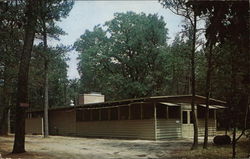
point(91, 114)
point(100, 112)
point(129, 112)
point(9, 131)
point(75, 123)
point(188, 117)
point(167, 112)
point(118, 113)
point(42, 126)
point(155, 122)
point(109, 113)
point(215, 120)
point(141, 111)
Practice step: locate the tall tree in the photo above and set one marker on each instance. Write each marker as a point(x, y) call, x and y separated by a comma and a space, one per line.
point(57, 76)
point(229, 23)
point(23, 77)
point(10, 44)
point(179, 56)
point(208, 82)
point(180, 7)
point(126, 58)
point(50, 11)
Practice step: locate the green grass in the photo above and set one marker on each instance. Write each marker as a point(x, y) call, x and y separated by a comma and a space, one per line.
point(216, 152)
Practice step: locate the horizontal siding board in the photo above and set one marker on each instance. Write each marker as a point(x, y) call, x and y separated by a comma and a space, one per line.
point(187, 129)
point(168, 128)
point(64, 123)
point(211, 127)
point(142, 129)
point(34, 126)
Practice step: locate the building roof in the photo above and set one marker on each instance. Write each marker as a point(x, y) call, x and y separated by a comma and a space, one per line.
point(174, 99)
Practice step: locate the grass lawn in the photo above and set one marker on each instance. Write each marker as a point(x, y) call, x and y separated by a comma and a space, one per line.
point(60, 147)
point(216, 152)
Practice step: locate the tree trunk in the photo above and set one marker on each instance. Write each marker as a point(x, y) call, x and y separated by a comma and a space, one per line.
point(4, 121)
point(194, 117)
point(23, 77)
point(46, 81)
point(234, 143)
point(46, 100)
point(6, 103)
point(208, 80)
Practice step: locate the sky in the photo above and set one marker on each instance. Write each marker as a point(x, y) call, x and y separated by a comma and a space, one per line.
point(86, 14)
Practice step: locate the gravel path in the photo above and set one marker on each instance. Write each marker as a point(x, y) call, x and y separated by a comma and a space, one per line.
point(59, 147)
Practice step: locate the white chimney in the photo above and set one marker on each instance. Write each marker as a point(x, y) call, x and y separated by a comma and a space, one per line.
point(93, 97)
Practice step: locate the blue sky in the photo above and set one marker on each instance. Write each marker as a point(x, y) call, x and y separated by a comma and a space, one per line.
point(87, 14)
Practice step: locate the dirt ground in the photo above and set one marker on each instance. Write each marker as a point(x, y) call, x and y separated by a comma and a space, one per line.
point(59, 147)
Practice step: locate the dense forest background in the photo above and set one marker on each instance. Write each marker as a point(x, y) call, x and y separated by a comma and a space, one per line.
point(129, 56)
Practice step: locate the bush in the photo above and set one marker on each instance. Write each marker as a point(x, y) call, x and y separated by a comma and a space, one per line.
point(222, 140)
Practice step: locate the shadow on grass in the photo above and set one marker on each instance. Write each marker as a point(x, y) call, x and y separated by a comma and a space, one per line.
point(215, 151)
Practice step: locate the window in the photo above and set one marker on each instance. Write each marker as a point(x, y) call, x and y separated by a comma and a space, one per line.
point(87, 115)
point(201, 112)
point(174, 112)
point(184, 117)
point(105, 114)
point(83, 115)
point(191, 117)
point(79, 115)
point(161, 111)
point(124, 112)
point(36, 114)
point(147, 111)
point(113, 113)
point(135, 111)
point(95, 114)
point(211, 113)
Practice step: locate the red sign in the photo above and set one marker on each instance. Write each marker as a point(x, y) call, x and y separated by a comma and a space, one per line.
point(24, 104)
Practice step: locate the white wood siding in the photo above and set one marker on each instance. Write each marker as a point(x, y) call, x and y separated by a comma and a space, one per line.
point(139, 129)
point(211, 127)
point(62, 122)
point(187, 129)
point(34, 126)
point(168, 128)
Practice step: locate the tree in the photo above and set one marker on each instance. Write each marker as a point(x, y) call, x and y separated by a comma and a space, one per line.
point(208, 79)
point(179, 7)
point(229, 24)
point(57, 76)
point(50, 11)
point(10, 35)
point(22, 89)
point(180, 76)
point(126, 58)
point(73, 90)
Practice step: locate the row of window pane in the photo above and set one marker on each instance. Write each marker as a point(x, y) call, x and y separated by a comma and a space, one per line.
point(137, 111)
point(201, 113)
point(171, 112)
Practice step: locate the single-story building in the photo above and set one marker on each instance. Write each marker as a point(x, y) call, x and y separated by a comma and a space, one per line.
point(152, 118)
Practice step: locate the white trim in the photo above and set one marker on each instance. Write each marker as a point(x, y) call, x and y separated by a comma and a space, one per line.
point(155, 121)
point(169, 104)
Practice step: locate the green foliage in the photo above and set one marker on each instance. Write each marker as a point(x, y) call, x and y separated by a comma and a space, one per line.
point(57, 76)
point(228, 29)
point(12, 22)
point(126, 58)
